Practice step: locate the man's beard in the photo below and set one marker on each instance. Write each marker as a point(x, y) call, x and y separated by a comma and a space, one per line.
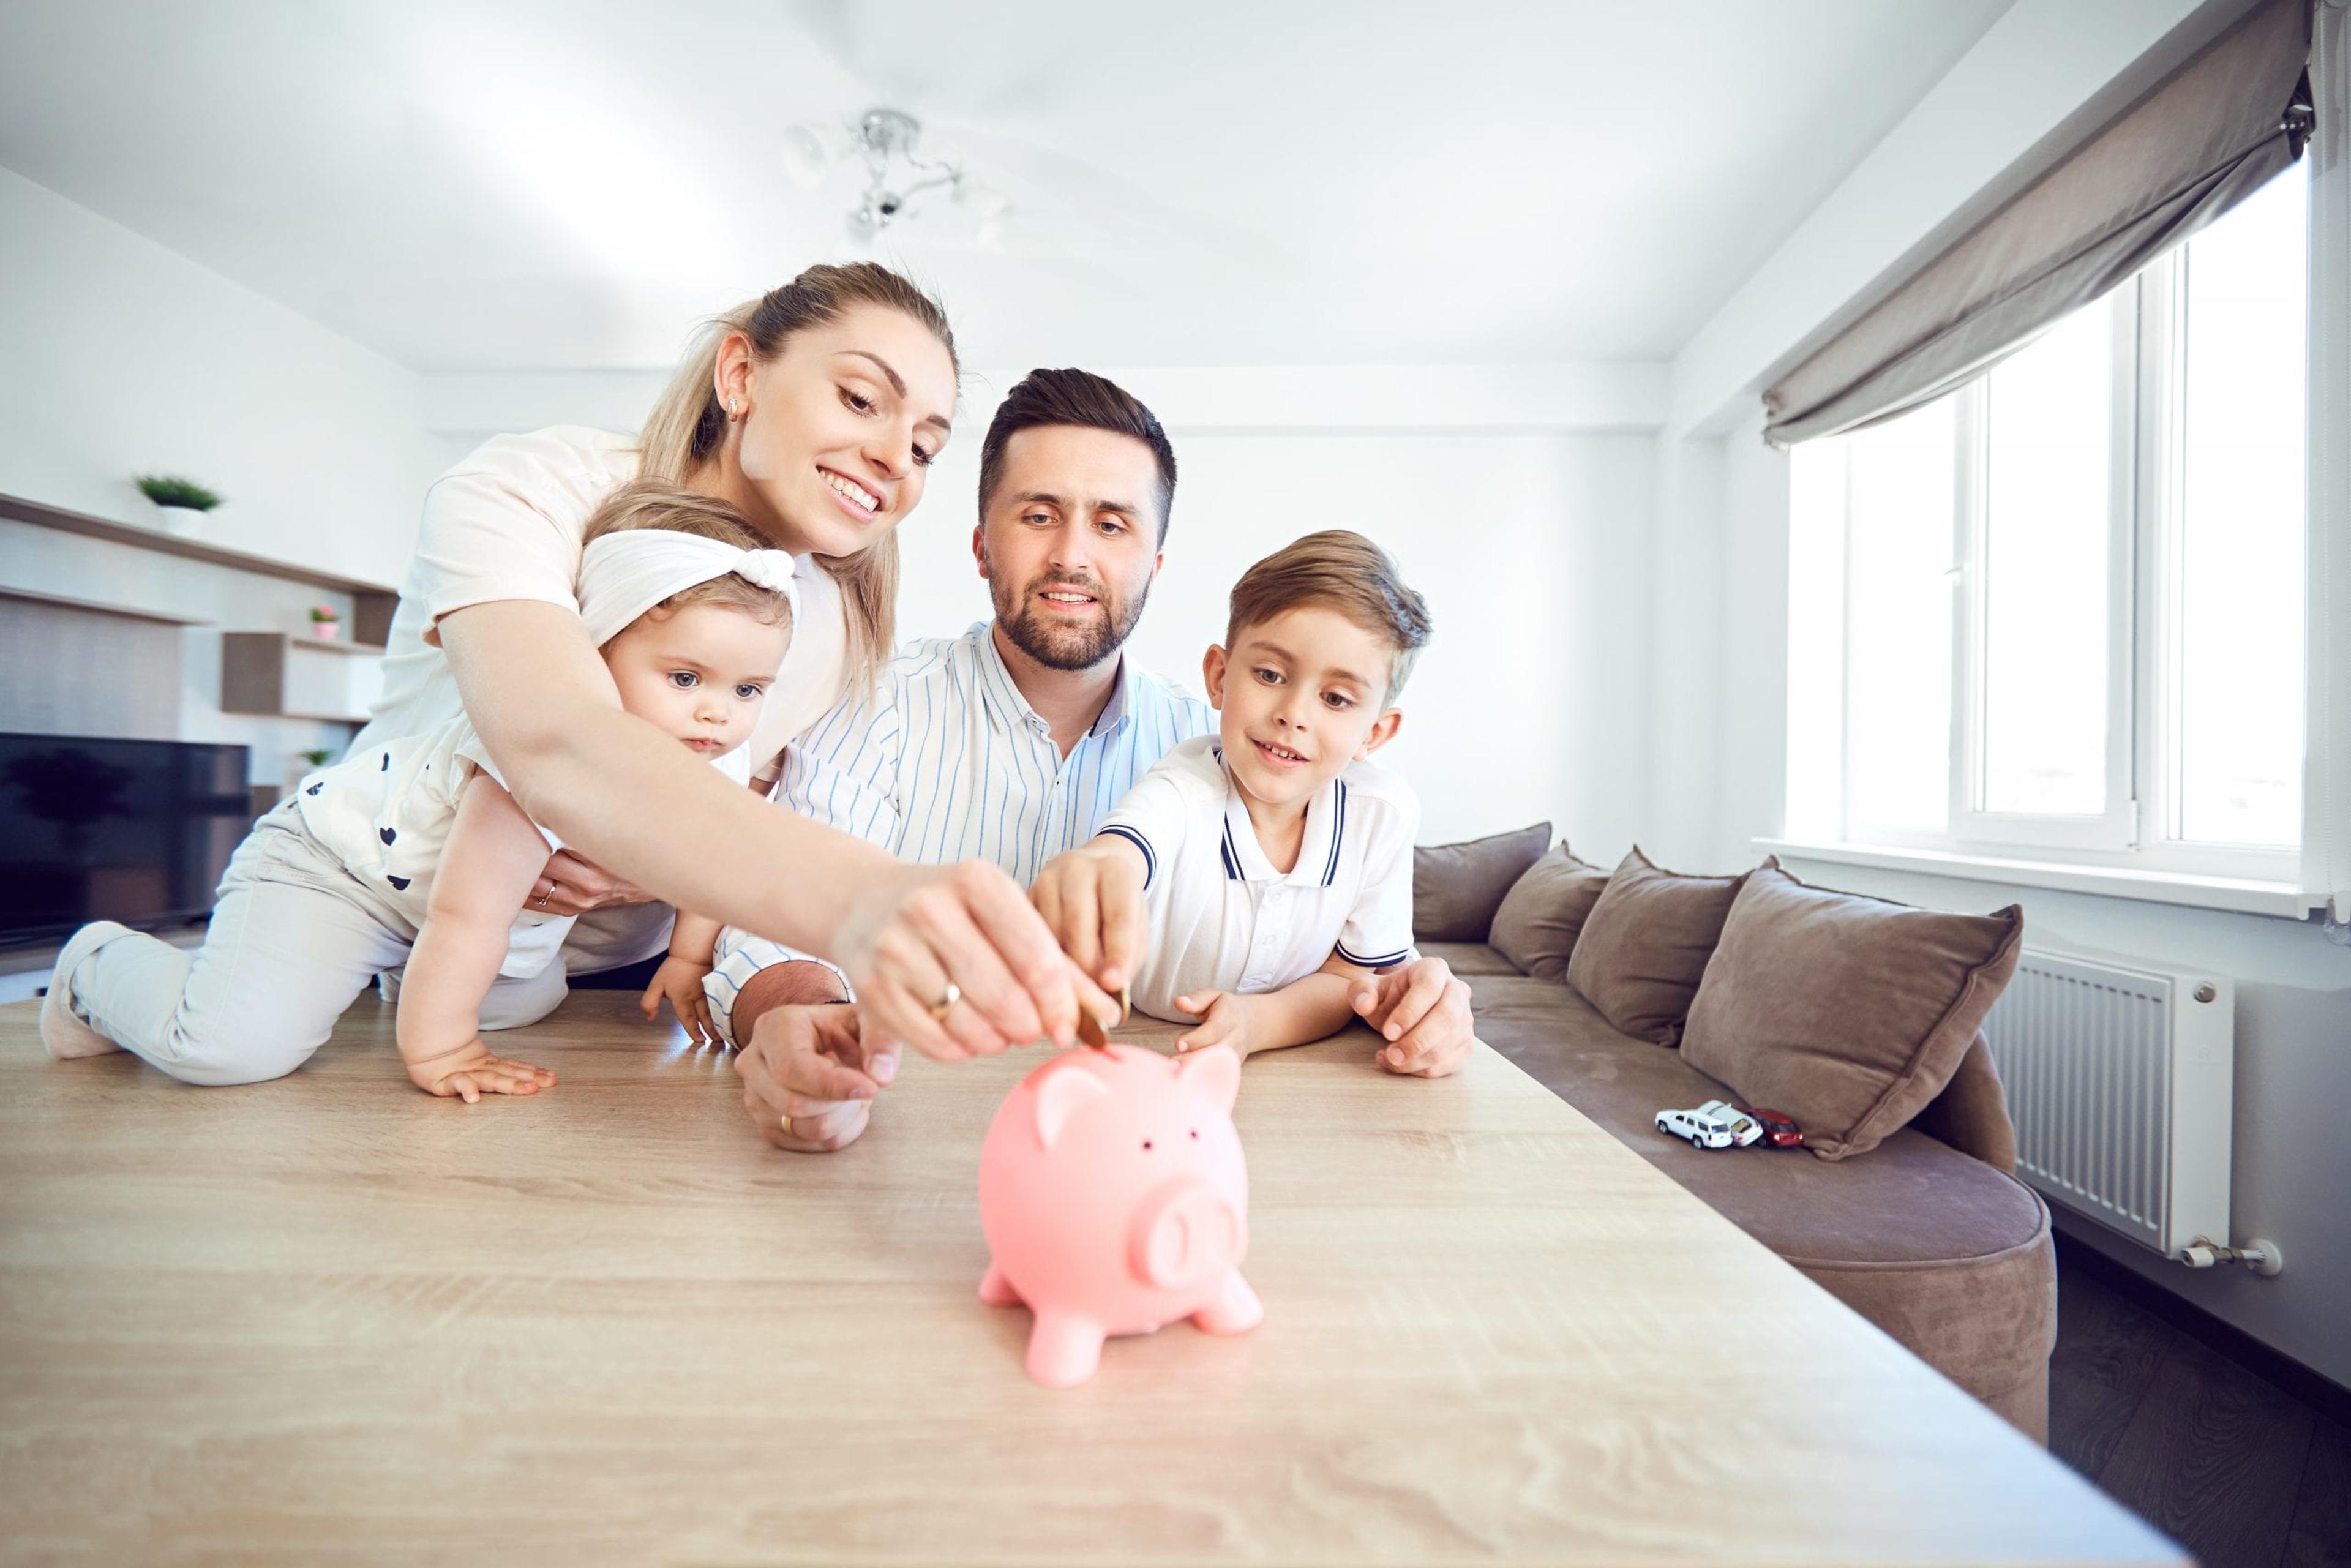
point(1064, 646)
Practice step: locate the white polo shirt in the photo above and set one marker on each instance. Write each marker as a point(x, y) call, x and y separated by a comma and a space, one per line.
point(1222, 918)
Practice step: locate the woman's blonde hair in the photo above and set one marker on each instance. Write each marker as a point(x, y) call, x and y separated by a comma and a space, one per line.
point(687, 424)
point(646, 505)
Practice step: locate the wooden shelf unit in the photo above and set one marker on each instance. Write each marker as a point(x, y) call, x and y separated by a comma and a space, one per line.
point(371, 602)
point(280, 674)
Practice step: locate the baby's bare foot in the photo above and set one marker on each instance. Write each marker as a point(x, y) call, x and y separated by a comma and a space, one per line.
point(65, 1036)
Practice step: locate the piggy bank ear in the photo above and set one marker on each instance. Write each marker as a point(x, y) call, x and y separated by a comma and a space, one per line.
point(1061, 1096)
point(1214, 1074)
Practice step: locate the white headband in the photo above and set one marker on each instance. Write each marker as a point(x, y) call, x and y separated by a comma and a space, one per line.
point(627, 573)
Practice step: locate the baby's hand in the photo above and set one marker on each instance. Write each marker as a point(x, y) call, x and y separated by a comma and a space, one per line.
point(1225, 1020)
point(680, 980)
point(1092, 899)
point(470, 1072)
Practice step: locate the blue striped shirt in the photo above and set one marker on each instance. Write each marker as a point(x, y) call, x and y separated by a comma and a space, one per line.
point(946, 760)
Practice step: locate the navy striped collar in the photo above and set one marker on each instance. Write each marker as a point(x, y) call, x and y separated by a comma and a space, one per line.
point(1319, 851)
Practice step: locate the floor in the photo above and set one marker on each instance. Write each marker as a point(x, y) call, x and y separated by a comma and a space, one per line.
point(2237, 1471)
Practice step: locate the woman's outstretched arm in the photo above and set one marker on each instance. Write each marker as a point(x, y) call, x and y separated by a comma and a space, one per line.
point(642, 805)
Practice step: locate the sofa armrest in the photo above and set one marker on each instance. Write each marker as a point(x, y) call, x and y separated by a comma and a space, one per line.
point(1971, 1112)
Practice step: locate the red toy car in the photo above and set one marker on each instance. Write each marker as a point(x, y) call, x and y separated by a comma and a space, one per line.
point(1780, 1130)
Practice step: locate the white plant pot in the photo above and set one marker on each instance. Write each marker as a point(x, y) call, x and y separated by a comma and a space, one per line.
point(325, 631)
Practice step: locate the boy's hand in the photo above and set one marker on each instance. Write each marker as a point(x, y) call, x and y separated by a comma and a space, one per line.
point(1092, 899)
point(1225, 1020)
point(470, 1072)
point(680, 980)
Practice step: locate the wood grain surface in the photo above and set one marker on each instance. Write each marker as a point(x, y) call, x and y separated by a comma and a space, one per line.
point(332, 1319)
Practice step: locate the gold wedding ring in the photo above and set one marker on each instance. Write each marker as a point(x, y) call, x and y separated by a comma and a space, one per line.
point(946, 1005)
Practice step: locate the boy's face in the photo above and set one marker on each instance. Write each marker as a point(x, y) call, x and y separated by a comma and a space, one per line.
point(1302, 694)
point(700, 673)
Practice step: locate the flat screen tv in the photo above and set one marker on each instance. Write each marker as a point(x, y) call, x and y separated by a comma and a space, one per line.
point(135, 830)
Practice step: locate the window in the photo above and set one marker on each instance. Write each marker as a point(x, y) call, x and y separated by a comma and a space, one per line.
point(2059, 614)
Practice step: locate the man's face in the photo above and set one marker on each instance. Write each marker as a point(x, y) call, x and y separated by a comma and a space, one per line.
point(1069, 542)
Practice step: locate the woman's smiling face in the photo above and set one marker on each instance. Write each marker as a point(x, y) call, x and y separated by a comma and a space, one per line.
point(838, 430)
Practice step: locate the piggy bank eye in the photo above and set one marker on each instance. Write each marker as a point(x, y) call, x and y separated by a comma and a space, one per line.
point(1196, 1134)
point(1146, 1144)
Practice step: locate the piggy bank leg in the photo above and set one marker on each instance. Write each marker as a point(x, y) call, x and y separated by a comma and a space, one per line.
point(995, 1289)
point(1063, 1350)
point(1236, 1309)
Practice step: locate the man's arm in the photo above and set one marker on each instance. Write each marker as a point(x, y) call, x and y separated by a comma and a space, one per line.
point(842, 773)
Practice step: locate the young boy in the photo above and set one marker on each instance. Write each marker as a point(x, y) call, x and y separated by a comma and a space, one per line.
point(1272, 860)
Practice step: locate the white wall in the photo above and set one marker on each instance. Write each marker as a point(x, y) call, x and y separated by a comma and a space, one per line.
point(119, 357)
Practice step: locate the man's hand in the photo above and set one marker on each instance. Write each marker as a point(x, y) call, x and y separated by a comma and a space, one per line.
point(569, 885)
point(1424, 1012)
point(1092, 899)
point(1225, 1020)
point(680, 980)
point(808, 1080)
point(470, 1072)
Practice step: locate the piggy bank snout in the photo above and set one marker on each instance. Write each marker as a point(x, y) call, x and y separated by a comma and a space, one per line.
point(1184, 1234)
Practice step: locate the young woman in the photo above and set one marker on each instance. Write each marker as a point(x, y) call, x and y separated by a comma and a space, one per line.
point(814, 410)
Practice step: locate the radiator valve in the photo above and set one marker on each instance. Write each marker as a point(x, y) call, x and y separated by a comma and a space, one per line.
point(2262, 1256)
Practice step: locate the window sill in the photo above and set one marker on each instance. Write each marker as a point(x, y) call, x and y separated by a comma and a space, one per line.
point(2242, 895)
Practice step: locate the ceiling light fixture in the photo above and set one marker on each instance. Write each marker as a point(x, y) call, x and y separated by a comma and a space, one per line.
point(888, 139)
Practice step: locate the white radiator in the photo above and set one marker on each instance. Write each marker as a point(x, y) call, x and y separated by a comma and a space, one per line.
point(2119, 1080)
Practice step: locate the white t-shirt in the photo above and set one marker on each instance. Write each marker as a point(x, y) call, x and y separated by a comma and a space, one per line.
point(506, 523)
point(1223, 918)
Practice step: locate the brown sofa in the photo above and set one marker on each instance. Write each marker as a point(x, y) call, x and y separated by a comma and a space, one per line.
point(1929, 1234)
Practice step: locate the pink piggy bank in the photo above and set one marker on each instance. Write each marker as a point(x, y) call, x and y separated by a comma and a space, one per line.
point(1115, 1197)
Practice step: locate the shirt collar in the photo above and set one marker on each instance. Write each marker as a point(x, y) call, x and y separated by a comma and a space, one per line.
point(1318, 849)
point(1012, 710)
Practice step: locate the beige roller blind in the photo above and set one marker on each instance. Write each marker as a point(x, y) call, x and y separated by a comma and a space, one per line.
point(2194, 145)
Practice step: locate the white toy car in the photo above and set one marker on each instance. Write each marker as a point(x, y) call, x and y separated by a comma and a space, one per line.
point(1716, 1124)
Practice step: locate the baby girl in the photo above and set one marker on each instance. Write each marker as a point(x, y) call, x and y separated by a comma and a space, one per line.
point(413, 853)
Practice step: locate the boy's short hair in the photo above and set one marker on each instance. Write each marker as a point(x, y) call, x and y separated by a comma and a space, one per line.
point(648, 506)
point(1342, 572)
point(1079, 398)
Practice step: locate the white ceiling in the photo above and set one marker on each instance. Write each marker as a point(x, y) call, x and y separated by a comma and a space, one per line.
point(505, 184)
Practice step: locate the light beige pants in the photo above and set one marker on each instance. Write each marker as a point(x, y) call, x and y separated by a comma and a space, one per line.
point(294, 939)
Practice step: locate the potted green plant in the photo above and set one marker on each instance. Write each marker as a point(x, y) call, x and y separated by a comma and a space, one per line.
point(179, 501)
point(324, 620)
point(171, 490)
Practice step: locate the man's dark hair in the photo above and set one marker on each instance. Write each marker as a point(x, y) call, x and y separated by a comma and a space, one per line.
point(1080, 398)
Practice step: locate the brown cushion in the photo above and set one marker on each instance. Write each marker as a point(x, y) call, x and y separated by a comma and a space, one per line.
point(1455, 888)
point(1848, 1013)
point(1644, 949)
point(1537, 925)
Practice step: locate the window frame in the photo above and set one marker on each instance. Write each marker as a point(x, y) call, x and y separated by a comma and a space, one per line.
point(2137, 832)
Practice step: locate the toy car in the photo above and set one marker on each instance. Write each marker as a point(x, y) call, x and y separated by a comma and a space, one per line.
point(1780, 1130)
point(1716, 1124)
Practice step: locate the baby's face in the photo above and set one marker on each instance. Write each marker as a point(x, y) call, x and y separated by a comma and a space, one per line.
point(699, 673)
point(1302, 695)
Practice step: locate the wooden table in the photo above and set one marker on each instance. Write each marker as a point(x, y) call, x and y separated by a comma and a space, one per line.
point(329, 1317)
